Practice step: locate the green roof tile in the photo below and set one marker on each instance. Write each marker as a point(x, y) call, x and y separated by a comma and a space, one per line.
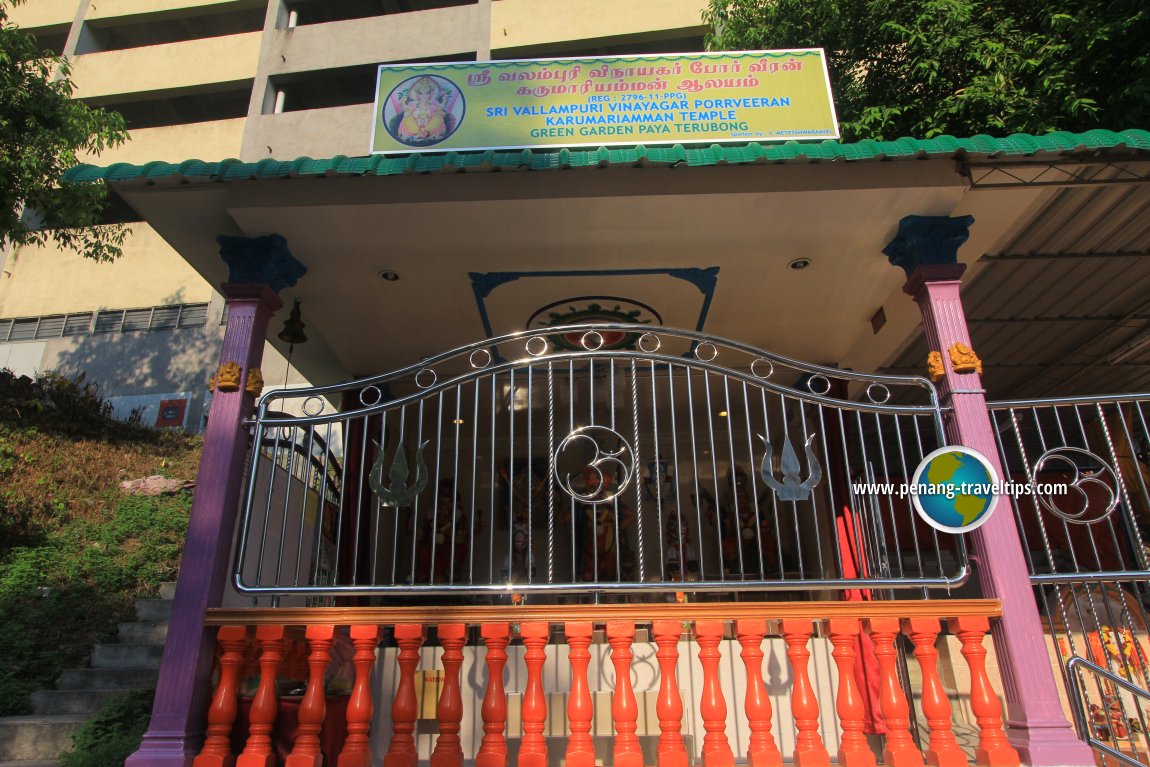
point(974, 148)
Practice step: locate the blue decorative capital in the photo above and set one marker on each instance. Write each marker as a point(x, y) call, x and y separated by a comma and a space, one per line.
point(927, 240)
point(260, 260)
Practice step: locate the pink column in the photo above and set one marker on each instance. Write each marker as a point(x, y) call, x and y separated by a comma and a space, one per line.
point(926, 247)
point(259, 268)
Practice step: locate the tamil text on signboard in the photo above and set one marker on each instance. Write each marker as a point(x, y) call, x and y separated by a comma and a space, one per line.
point(688, 98)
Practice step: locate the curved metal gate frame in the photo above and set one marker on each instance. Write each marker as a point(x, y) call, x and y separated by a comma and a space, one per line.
point(592, 460)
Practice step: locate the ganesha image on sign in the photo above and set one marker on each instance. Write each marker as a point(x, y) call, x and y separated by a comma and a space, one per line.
point(423, 110)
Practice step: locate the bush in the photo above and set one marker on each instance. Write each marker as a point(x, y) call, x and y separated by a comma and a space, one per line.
point(59, 405)
point(109, 737)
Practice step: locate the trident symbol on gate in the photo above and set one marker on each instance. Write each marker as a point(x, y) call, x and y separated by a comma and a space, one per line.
point(791, 489)
point(398, 494)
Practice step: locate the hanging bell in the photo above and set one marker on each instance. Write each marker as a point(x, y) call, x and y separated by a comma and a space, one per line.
point(292, 332)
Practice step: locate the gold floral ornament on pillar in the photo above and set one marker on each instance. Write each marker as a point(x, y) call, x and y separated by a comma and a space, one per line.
point(255, 383)
point(934, 366)
point(964, 360)
point(228, 377)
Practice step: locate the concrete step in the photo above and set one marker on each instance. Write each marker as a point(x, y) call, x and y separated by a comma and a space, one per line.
point(30, 738)
point(56, 702)
point(168, 590)
point(107, 679)
point(153, 610)
point(127, 655)
point(139, 632)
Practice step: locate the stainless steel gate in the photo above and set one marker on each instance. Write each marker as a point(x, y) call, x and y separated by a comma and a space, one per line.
point(1087, 553)
point(585, 461)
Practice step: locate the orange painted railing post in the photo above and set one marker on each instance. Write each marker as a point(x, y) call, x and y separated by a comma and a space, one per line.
point(713, 708)
point(217, 750)
point(944, 750)
point(493, 749)
point(854, 751)
point(900, 749)
point(533, 748)
point(265, 704)
point(580, 712)
point(993, 748)
point(357, 747)
point(448, 752)
point(809, 748)
point(669, 707)
point(401, 752)
point(761, 750)
point(312, 709)
point(624, 709)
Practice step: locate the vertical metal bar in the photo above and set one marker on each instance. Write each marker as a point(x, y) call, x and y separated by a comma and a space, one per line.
point(833, 517)
point(774, 496)
point(436, 491)
point(695, 475)
point(511, 472)
point(723, 564)
point(530, 474)
point(679, 483)
point(288, 481)
point(494, 483)
point(475, 522)
point(320, 540)
point(455, 505)
point(550, 472)
point(638, 470)
point(658, 482)
point(734, 470)
point(303, 503)
point(814, 498)
point(361, 475)
point(754, 481)
point(346, 428)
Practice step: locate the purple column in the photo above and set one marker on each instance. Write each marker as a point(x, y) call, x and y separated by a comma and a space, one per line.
point(259, 268)
point(926, 247)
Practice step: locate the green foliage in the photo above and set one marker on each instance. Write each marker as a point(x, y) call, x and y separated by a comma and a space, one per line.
point(113, 733)
point(924, 68)
point(42, 132)
point(55, 404)
point(67, 586)
point(74, 551)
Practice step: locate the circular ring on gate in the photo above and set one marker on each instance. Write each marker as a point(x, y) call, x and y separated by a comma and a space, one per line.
point(648, 338)
point(755, 371)
point(309, 408)
point(363, 398)
point(709, 355)
point(824, 389)
point(592, 341)
point(480, 361)
point(419, 378)
point(539, 349)
point(883, 394)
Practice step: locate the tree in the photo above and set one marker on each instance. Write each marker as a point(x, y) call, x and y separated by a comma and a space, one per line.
point(923, 68)
point(42, 131)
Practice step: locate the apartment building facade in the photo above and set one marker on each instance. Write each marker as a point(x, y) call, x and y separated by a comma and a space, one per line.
point(251, 80)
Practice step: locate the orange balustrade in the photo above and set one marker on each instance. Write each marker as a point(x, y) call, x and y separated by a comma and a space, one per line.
point(716, 628)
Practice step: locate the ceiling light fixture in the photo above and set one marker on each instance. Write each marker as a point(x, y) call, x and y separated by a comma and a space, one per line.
point(389, 275)
point(799, 264)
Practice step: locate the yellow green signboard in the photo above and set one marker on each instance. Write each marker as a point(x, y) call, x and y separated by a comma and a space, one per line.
point(671, 99)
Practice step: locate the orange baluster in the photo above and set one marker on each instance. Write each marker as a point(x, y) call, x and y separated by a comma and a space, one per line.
point(624, 709)
point(761, 751)
point(357, 747)
point(306, 751)
point(943, 750)
point(669, 708)
point(217, 750)
point(265, 704)
point(401, 752)
point(493, 749)
point(580, 748)
point(900, 749)
point(993, 748)
point(713, 708)
point(854, 751)
point(533, 748)
point(448, 751)
point(809, 748)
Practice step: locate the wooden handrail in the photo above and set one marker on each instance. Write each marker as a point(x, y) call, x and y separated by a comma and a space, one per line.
point(642, 612)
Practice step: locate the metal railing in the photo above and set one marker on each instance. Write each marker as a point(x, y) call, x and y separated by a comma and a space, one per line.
point(1086, 720)
point(598, 459)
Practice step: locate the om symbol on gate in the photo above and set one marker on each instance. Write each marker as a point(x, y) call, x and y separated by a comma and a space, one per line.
point(606, 471)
